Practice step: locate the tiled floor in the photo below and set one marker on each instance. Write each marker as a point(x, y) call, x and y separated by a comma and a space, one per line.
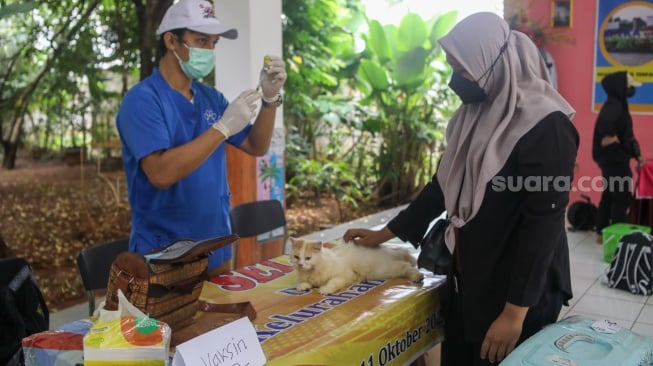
point(591, 297)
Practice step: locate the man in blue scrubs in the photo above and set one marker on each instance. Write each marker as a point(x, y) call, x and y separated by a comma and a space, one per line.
point(174, 130)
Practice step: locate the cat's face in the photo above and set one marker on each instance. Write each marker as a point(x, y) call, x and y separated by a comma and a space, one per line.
point(304, 254)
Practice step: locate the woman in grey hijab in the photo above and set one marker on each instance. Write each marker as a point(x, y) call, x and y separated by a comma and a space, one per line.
point(504, 181)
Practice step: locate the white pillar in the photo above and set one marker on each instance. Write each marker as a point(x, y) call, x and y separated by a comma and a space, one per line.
point(238, 66)
point(239, 61)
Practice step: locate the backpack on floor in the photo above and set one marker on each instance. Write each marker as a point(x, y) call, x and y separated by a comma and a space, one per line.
point(22, 309)
point(631, 267)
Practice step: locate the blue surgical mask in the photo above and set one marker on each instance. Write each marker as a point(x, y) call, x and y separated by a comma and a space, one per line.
point(200, 62)
point(469, 91)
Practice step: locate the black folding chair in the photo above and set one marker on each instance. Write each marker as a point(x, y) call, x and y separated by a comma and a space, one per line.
point(94, 264)
point(256, 218)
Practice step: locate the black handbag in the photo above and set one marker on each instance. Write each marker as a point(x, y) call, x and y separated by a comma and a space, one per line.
point(434, 254)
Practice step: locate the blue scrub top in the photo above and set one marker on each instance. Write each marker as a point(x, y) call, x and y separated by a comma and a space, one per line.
point(153, 117)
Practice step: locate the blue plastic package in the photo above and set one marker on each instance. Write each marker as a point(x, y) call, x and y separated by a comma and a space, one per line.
point(583, 341)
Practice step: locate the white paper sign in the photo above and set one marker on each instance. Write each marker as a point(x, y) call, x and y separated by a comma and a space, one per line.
point(605, 326)
point(233, 344)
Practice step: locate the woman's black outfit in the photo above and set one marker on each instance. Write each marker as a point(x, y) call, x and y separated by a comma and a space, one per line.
point(515, 248)
point(614, 159)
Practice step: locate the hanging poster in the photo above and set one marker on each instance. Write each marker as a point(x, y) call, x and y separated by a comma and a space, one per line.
point(270, 178)
point(624, 42)
point(269, 170)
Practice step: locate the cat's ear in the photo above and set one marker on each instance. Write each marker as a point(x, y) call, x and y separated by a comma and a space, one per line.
point(295, 243)
point(317, 245)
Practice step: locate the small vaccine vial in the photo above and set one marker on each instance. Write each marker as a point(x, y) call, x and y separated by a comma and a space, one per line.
point(266, 63)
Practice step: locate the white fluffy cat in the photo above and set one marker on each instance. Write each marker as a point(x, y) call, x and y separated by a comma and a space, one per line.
point(332, 269)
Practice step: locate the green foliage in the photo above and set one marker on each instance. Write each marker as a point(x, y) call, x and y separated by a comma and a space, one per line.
point(402, 75)
point(315, 43)
point(331, 177)
point(317, 49)
point(62, 65)
point(371, 121)
point(629, 44)
point(343, 164)
point(11, 9)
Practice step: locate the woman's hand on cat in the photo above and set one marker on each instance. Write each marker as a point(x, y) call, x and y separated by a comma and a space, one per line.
point(368, 238)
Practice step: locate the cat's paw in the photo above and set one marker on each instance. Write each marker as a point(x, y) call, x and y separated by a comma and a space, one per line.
point(416, 276)
point(325, 290)
point(304, 286)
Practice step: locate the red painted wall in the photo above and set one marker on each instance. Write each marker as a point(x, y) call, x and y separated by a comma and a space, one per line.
point(575, 67)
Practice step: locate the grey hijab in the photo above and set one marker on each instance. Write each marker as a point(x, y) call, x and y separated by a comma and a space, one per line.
point(480, 137)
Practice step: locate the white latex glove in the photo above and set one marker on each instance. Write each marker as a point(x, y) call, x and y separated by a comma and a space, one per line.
point(273, 76)
point(239, 112)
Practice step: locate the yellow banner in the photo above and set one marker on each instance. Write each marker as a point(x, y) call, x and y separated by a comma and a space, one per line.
point(371, 323)
point(643, 74)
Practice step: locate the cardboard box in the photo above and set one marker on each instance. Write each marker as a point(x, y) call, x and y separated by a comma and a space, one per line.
point(612, 235)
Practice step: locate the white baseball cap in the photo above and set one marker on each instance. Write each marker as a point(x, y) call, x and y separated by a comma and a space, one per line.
point(196, 15)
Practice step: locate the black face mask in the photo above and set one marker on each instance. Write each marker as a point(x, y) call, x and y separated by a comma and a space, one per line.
point(630, 91)
point(469, 91)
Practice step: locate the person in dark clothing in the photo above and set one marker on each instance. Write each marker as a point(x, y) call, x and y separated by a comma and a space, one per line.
point(504, 182)
point(613, 146)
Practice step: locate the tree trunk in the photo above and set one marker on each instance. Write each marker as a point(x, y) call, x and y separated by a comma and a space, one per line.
point(149, 16)
point(25, 94)
point(11, 152)
point(5, 251)
point(148, 42)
